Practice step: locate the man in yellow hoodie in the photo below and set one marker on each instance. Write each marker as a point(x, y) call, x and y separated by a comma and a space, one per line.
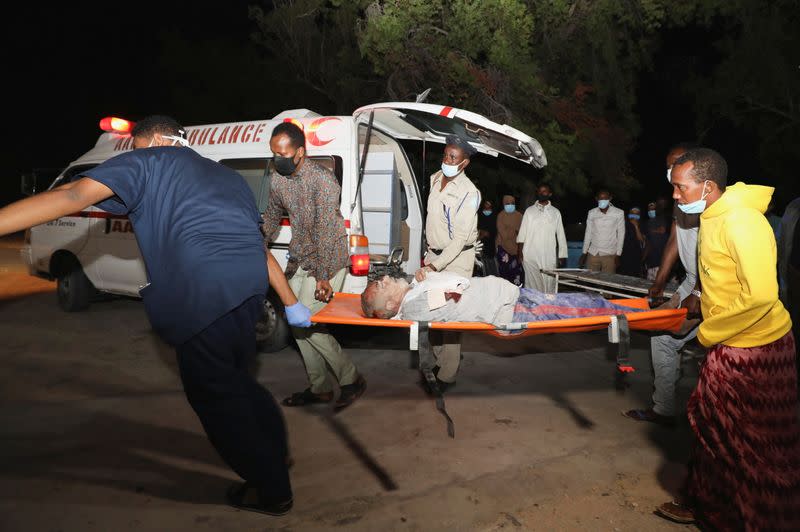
point(745, 467)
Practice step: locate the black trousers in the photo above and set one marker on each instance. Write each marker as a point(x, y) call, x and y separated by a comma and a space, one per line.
point(240, 417)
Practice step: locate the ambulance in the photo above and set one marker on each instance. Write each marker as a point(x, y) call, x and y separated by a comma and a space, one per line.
point(94, 252)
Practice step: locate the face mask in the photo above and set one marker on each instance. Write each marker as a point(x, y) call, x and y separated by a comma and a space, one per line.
point(450, 170)
point(651, 214)
point(696, 207)
point(510, 208)
point(180, 140)
point(285, 165)
point(633, 216)
point(487, 213)
point(603, 203)
point(545, 197)
point(669, 175)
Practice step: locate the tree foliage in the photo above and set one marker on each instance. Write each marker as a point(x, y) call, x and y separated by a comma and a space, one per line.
point(564, 71)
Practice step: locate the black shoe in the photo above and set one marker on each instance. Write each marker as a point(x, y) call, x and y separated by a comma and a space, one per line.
point(350, 392)
point(246, 496)
point(651, 416)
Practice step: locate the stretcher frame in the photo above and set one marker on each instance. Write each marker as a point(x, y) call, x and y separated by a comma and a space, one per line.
point(345, 309)
point(606, 283)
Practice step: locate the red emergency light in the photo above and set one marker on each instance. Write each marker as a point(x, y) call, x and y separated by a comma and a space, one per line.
point(359, 255)
point(295, 122)
point(112, 124)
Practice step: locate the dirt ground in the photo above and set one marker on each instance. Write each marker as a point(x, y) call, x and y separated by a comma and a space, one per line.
point(95, 433)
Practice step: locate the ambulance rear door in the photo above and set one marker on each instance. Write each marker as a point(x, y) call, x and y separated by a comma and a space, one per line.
point(432, 122)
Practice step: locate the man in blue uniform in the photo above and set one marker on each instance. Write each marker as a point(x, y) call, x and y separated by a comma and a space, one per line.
point(197, 226)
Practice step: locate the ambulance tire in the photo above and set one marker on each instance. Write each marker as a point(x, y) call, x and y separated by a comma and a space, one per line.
point(272, 331)
point(74, 289)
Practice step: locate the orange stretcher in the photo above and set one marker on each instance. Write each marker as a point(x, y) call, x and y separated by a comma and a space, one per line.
point(345, 309)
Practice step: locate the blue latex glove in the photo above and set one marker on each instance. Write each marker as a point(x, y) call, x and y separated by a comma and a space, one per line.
point(298, 315)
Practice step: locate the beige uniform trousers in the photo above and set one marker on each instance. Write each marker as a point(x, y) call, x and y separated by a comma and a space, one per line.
point(446, 345)
point(319, 348)
point(602, 263)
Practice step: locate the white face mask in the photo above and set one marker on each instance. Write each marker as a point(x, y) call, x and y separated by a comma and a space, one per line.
point(696, 207)
point(180, 140)
point(450, 170)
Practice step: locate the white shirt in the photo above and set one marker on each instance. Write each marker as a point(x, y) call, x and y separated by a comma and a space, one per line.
point(605, 233)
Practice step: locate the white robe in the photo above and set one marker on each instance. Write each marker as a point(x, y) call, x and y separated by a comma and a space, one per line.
point(543, 243)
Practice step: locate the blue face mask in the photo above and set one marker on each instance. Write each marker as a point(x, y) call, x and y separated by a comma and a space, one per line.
point(695, 207)
point(487, 213)
point(510, 208)
point(450, 170)
point(633, 216)
point(603, 203)
point(651, 214)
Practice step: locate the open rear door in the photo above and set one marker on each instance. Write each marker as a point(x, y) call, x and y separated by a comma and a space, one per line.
point(431, 122)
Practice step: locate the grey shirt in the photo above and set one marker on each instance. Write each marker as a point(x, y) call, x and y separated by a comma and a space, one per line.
point(487, 299)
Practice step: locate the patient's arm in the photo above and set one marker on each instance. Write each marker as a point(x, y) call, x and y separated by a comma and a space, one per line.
point(417, 309)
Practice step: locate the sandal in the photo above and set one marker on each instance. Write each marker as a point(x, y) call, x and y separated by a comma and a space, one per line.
point(307, 397)
point(675, 511)
point(650, 415)
point(351, 392)
point(245, 496)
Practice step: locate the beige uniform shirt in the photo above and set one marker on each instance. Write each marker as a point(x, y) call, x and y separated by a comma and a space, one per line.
point(452, 223)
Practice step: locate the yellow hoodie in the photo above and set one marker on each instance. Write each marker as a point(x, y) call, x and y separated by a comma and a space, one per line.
point(737, 268)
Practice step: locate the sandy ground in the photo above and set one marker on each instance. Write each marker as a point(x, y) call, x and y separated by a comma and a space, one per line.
point(95, 433)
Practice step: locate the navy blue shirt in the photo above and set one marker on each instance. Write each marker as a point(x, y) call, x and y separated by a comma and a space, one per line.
point(197, 226)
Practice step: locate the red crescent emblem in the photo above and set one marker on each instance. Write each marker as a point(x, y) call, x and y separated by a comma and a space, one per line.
point(311, 135)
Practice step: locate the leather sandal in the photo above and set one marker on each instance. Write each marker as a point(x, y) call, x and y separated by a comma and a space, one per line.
point(677, 512)
point(307, 397)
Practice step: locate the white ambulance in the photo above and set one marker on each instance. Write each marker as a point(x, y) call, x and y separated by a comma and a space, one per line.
point(93, 252)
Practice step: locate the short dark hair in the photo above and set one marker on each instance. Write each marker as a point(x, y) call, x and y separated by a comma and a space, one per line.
point(707, 165)
point(540, 185)
point(161, 124)
point(296, 136)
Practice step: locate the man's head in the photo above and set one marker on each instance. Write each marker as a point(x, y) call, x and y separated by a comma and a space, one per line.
point(652, 209)
point(544, 193)
point(156, 131)
point(699, 178)
point(457, 153)
point(288, 146)
point(603, 198)
point(487, 206)
point(676, 151)
point(509, 203)
point(382, 298)
point(634, 213)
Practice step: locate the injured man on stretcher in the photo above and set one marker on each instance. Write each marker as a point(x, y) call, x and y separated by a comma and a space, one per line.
point(445, 296)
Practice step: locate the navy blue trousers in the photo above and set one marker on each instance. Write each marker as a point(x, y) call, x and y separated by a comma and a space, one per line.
point(240, 417)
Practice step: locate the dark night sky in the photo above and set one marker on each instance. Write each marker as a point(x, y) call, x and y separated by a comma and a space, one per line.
point(72, 63)
point(70, 66)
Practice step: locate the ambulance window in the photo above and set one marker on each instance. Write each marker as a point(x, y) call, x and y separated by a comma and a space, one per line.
point(332, 163)
point(253, 171)
point(70, 173)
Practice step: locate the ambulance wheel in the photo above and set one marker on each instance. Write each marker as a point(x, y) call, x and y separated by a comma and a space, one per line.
point(74, 289)
point(272, 330)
